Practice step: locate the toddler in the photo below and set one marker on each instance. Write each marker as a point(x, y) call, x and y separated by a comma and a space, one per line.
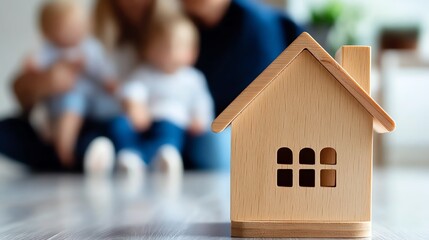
point(65, 28)
point(165, 97)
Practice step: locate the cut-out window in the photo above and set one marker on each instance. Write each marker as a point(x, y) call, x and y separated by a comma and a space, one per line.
point(328, 178)
point(328, 156)
point(284, 178)
point(306, 177)
point(307, 156)
point(284, 156)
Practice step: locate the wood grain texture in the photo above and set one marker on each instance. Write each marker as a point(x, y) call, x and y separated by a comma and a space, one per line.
point(301, 229)
point(58, 207)
point(356, 60)
point(319, 113)
point(303, 42)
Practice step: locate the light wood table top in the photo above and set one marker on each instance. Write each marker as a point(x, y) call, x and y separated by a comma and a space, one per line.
point(72, 207)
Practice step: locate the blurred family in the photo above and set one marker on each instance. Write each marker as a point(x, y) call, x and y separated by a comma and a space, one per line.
point(137, 85)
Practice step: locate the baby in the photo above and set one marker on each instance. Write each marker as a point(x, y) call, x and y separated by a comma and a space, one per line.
point(166, 96)
point(65, 28)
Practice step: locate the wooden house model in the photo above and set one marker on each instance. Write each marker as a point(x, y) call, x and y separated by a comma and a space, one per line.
point(302, 137)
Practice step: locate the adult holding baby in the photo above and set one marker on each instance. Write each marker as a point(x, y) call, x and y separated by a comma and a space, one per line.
point(20, 141)
point(71, 77)
point(239, 38)
point(118, 24)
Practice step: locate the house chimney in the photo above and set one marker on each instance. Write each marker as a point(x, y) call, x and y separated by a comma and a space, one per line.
point(356, 60)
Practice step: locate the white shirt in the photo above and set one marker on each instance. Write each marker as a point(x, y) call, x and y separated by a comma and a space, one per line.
point(179, 97)
point(96, 63)
point(97, 68)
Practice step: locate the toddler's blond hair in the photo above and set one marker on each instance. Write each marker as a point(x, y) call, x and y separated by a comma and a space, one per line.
point(163, 25)
point(52, 10)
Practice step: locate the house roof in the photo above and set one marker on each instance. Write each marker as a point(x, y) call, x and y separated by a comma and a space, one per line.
point(382, 121)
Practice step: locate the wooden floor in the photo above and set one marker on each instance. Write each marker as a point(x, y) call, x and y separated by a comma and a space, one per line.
point(72, 207)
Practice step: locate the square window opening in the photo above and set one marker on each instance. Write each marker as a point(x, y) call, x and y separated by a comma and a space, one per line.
point(284, 178)
point(328, 178)
point(306, 177)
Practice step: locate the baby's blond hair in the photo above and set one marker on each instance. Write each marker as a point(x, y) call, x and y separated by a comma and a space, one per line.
point(51, 10)
point(160, 26)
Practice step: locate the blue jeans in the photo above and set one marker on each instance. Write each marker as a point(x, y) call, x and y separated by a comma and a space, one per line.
point(146, 144)
point(21, 143)
point(210, 151)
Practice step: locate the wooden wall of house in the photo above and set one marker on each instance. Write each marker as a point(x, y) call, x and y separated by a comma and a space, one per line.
point(304, 107)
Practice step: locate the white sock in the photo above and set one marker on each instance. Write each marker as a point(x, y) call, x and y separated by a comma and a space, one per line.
point(131, 163)
point(99, 157)
point(169, 161)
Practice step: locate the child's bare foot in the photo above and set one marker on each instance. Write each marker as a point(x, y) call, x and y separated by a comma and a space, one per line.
point(99, 157)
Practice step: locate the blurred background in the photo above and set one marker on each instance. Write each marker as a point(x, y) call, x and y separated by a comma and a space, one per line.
point(397, 31)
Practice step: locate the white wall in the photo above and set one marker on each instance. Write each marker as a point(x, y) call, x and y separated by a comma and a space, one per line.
point(18, 35)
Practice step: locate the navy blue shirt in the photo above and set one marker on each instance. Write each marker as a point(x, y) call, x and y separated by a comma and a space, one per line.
point(241, 46)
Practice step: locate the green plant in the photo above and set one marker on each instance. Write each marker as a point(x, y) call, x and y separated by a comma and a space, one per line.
point(328, 14)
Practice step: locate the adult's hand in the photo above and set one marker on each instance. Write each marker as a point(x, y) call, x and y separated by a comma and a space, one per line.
point(61, 77)
point(32, 86)
point(196, 128)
